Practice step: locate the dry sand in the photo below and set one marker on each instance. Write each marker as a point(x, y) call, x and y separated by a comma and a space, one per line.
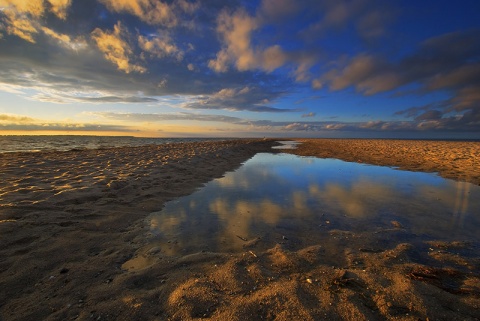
point(70, 220)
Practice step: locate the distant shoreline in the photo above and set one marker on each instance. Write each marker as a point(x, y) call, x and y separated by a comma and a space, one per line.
point(39, 143)
point(451, 159)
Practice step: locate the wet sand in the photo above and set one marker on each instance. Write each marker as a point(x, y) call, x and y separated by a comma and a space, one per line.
point(69, 221)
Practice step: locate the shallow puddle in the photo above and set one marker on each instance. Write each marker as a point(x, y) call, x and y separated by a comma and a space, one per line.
point(302, 201)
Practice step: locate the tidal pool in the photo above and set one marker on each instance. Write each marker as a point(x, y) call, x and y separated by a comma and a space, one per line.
point(301, 201)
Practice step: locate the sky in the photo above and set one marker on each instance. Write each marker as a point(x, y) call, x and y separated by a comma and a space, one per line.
point(267, 68)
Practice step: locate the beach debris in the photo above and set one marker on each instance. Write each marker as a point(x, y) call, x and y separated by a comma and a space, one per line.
point(253, 254)
point(284, 237)
point(309, 280)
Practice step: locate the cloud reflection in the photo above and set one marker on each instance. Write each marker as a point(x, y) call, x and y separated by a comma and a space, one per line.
point(272, 196)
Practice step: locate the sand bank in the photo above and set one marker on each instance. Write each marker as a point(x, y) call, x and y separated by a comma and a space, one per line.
point(69, 221)
point(451, 159)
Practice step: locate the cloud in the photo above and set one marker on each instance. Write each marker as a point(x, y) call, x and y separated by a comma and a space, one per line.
point(64, 40)
point(238, 56)
point(34, 8)
point(59, 7)
point(160, 46)
point(368, 74)
point(64, 76)
point(146, 117)
point(61, 127)
point(153, 12)
point(20, 26)
point(421, 126)
point(115, 48)
point(446, 61)
point(15, 118)
point(102, 98)
point(247, 98)
point(22, 17)
point(235, 30)
point(25, 123)
point(369, 17)
point(429, 115)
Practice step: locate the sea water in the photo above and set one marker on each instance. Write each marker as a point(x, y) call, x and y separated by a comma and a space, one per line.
point(65, 143)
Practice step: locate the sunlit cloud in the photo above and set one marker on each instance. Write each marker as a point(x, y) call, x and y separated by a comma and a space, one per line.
point(22, 123)
point(422, 124)
point(59, 7)
point(160, 46)
point(65, 40)
point(246, 61)
point(116, 49)
point(34, 8)
point(236, 30)
point(22, 17)
point(153, 12)
point(15, 118)
point(20, 26)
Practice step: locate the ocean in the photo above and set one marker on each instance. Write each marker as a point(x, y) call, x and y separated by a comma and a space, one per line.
point(9, 144)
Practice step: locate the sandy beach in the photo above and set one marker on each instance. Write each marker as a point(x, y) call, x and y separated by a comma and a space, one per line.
point(69, 221)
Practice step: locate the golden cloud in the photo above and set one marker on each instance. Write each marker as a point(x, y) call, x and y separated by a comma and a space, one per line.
point(15, 118)
point(34, 8)
point(59, 7)
point(65, 40)
point(20, 26)
point(152, 12)
point(23, 15)
point(160, 47)
point(115, 48)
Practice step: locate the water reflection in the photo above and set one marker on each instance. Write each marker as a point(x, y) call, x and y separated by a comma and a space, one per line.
point(287, 144)
point(272, 198)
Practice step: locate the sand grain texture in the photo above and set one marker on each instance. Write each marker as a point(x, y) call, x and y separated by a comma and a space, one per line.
point(69, 221)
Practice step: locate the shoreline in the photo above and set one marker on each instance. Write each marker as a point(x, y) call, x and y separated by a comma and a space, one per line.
point(458, 160)
point(83, 210)
point(70, 220)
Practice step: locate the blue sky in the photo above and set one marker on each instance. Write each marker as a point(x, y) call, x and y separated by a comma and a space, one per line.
point(279, 68)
